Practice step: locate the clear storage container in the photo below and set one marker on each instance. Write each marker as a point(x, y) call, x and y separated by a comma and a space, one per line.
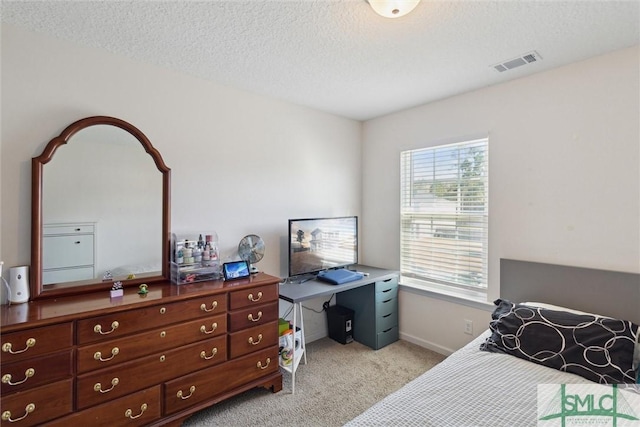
point(195, 257)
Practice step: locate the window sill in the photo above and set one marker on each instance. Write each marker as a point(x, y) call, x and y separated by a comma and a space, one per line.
point(474, 299)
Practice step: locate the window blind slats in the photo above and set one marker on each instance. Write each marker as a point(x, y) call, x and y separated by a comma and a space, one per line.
point(444, 214)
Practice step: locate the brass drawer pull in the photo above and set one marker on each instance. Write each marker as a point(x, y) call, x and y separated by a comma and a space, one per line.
point(191, 390)
point(7, 347)
point(259, 364)
point(214, 326)
point(98, 386)
point(204, 308)
point(163, 358)
point(251, 298)
point(163, 334)
point(204, 356)
point(98, 355)
point(6, 378)
point(6, 415)
point(98, 328)
point(163, 310)
point(256, 342)
point(129, 413)
point(251, 319)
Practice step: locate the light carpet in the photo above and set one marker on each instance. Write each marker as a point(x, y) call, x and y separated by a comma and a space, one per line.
point(337, 383)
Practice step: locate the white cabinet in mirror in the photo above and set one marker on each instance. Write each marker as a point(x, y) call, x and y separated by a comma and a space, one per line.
point(68, 252)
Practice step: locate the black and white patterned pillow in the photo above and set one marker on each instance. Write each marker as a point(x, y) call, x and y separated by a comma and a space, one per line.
point(597, 348)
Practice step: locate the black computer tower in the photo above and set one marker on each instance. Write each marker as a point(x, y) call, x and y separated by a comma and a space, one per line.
point(340, 324)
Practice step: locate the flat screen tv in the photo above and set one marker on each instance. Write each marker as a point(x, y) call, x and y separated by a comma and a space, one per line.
point(317, 244)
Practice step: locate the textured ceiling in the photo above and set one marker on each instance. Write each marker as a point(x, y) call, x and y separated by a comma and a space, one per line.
point(338, 55)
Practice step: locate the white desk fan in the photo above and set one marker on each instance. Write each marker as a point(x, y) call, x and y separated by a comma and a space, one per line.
point(251, 250)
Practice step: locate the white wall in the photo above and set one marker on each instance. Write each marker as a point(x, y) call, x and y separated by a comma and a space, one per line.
point(564, 181)
point(564, 177)
point(241, 163)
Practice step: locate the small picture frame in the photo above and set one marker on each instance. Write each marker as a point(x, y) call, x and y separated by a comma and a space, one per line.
point(235, 270)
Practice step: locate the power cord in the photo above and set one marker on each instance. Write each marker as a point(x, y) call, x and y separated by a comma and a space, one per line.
point(288, 312)
point(325, 305)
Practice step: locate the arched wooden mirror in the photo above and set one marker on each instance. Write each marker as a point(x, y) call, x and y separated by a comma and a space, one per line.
point(100, 210)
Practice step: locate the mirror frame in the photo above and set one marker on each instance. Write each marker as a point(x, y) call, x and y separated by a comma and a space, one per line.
point(38, 290)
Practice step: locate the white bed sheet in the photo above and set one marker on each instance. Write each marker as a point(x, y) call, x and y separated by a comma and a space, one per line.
point(469, 388)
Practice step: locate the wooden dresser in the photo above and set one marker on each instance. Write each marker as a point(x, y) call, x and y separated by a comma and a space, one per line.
point(149, 359)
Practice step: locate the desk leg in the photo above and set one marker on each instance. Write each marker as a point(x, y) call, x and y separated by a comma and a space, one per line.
point(297, 309)
point(293, 354)
point(303, 342)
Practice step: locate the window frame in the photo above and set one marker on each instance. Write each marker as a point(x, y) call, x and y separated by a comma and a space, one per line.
point(467, 209)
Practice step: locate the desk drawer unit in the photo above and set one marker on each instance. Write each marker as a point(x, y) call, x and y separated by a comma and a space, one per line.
point(375, 307)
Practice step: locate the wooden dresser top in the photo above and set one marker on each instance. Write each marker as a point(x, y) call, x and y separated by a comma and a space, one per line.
point(47, 311)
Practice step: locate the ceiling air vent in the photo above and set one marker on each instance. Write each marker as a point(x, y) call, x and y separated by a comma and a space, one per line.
point(527, 58)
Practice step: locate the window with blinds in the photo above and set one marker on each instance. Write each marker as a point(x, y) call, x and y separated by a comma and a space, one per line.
point(445, 214)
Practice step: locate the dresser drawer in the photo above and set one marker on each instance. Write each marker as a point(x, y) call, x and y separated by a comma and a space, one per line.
point(109, 353)
point(30, 373)
point(253, 316)
point(253, 296)
point(140, 408)
point(110, 326)
point(124, 378)
point(34, 342)
point(37, 405)
point(252, 339)
point(203, 385)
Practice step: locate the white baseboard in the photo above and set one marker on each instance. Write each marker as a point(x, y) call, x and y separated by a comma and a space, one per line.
point(412, 339)
point(426, 344)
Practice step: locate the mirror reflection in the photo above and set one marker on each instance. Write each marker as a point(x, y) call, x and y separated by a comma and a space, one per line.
point(102, 205)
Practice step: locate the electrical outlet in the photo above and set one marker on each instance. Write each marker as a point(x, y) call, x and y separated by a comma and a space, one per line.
point(468, 327)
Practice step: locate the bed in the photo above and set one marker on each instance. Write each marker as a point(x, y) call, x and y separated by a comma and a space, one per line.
point(501, 387)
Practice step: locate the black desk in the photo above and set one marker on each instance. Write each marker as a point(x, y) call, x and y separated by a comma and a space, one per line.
point(296, 293)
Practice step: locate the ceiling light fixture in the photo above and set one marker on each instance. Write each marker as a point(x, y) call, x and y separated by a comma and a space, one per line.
point(393, 8)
